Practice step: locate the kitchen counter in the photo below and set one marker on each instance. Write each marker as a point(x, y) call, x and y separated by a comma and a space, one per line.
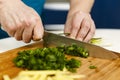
point(110, 40)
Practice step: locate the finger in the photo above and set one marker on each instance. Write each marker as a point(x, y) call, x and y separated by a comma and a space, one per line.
point(27, 33)
point(76, 22)
point(38, 31)
point(20, 24)
point(83, 31)
point(19, 32)
point(67, 28)
point(90, 33)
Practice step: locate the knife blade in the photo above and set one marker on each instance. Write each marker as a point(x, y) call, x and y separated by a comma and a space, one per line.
point(51, 39)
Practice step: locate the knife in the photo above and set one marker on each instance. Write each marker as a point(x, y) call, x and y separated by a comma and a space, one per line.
point(51, 39)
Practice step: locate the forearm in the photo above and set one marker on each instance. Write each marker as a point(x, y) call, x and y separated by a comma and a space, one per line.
point(81, 5)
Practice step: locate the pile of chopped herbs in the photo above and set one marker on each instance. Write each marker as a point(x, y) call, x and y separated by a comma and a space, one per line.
point(51, 58)
point(74, 50)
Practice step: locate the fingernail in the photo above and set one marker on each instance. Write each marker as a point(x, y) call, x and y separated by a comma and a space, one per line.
point(80, 39)
point(36, 38)
point(26, 41)
point(72, 37)
point(66, 34)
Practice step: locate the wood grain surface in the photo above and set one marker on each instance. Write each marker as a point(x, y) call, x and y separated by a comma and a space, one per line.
point(106, 69)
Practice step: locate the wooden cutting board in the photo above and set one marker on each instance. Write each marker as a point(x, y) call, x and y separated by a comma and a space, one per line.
point(106, 69)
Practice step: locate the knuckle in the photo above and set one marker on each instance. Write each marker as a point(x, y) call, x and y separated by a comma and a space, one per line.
point(36, 19)
point(87, 25)
point(23, 21)
point(11, 28)
point(27, 23)
point(81, 13)
point(32, 21)
point(19, 25)
point(76, 27)
point(78, 15)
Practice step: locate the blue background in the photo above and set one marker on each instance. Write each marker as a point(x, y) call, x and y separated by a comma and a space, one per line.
point(106, 13)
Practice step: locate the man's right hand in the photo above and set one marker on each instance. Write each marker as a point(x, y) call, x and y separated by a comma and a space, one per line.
point(20, 21)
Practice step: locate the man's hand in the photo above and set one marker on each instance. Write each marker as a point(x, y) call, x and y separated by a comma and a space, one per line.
point(20, 21)
point(80, 26)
